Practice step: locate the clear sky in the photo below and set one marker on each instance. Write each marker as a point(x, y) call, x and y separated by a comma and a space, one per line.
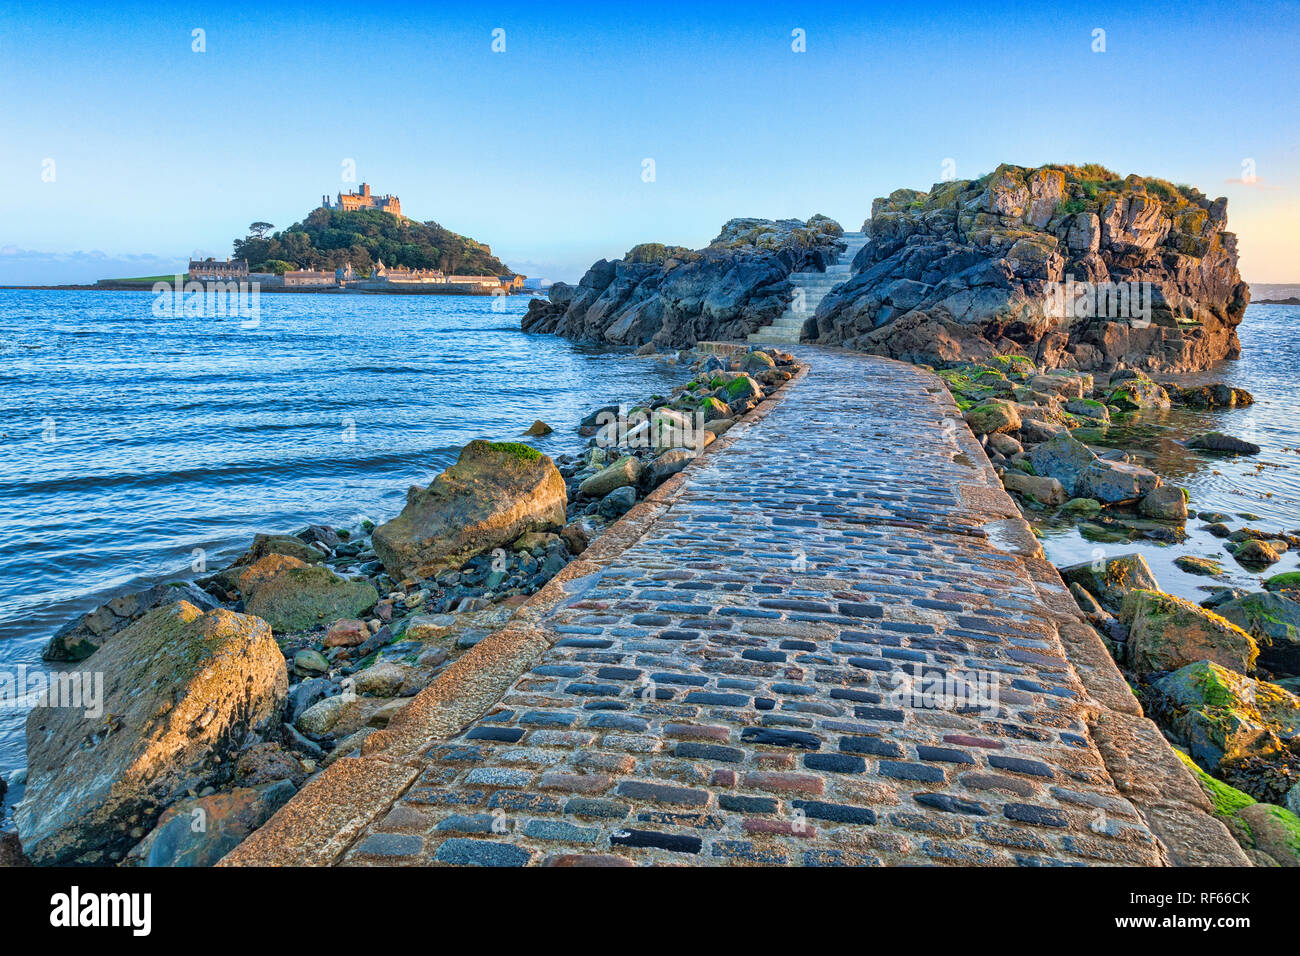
point(159, 152)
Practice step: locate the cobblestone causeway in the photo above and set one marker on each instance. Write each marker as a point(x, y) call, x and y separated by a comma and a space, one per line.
point(728, 691)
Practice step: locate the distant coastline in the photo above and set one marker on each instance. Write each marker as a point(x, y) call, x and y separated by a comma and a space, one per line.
point(110, 286)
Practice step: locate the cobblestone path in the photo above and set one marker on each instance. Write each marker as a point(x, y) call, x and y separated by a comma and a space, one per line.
point(734, 689)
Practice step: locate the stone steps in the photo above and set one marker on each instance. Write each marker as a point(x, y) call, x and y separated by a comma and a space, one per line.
point(787, 327)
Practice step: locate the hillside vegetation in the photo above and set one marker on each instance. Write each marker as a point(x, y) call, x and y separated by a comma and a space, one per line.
point(330, 238)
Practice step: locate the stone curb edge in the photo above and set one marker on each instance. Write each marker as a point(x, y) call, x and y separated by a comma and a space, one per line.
point(1140, 761)
point(324, 818)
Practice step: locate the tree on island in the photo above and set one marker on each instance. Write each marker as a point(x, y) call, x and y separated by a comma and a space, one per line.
point(331, 238)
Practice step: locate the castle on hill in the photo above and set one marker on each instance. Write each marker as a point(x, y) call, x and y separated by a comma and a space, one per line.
point(351, 201)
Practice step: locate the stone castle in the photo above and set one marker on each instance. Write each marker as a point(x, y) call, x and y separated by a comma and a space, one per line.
point(350, 201)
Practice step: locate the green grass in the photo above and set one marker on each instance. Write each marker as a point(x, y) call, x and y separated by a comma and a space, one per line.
point(147, 280)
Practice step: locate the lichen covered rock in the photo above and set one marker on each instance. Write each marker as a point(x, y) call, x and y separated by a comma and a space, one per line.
point(492, 494)
point(1111, 580)
point(301, 597)
point(1166, 633)
point(182, 689)
point(1221, 715)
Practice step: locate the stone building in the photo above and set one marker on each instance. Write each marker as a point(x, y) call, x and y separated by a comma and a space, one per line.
point(302, 278)
point(404, 274)
point(364, 199)
point(211, 268)
point(485, 282)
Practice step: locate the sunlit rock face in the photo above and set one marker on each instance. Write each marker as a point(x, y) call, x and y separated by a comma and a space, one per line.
point(1071, 266)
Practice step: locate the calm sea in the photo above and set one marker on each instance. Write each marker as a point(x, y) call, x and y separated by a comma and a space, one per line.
point(1266, 485)
point(131, 440)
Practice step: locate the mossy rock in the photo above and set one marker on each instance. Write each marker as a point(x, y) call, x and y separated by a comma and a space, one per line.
point(1167, 632)
point(1286, 581)
point(1221, 715)
point(1227, 800)
point(1274, 621)
point(713, 409)
point(1111, 580)
point(488, 498)
point(518, 451)
point(1274, 831)
point(1014, 365)
point(1197, 565)
point(993, 416)
point(299, 598)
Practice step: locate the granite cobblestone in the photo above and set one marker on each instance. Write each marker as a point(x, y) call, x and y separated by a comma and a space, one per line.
point(746, 684)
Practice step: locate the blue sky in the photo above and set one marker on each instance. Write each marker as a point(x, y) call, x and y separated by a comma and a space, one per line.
point(160, 151)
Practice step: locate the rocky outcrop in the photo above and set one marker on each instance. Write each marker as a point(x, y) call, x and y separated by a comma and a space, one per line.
point(675, 297)
point(975, 268)
point(494, 493)
point(181, 691)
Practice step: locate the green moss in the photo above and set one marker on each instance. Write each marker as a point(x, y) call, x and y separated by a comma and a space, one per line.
point(1290, 823)
point(718, 382)
point(518, 450)
point(1228, 801)
point(737, 386)
point(1286, 581)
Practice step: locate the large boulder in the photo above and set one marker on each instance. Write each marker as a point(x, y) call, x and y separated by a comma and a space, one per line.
point(1113, 482)
point(78, 639)
point(1064, 458)
point(1273, 620)
point(1111, 580)
point(1045, 490)
point(1166, 633)
point(297, 598)
point(182, 688)
point(1221, 715)
point(492, 494)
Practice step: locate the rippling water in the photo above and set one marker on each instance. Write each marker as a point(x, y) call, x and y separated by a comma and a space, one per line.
point(131, 440)
point(1267, 485)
